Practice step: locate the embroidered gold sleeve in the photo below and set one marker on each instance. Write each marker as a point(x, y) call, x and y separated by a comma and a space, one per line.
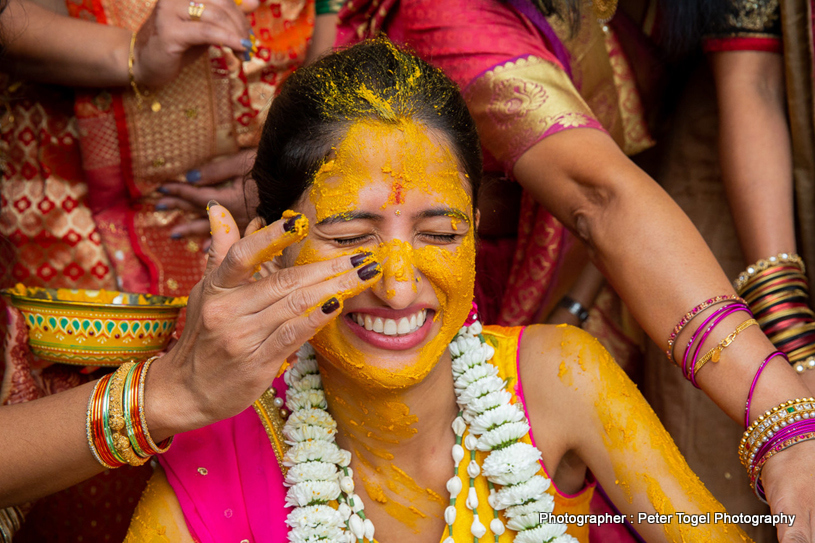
point(520, 102)
point(749, 18)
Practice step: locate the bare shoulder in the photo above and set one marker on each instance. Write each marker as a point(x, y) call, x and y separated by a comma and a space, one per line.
point(561, 355)
point(565, 373)
point(158, 517)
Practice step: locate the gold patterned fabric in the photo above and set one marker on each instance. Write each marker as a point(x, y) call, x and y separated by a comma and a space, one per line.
point(215, 107)
point(520, 102)
point(43, 207)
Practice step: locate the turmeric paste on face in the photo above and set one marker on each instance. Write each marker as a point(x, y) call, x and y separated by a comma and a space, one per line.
point(414, 166)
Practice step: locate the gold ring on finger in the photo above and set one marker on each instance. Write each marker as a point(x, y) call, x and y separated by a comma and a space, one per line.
point(196, 9)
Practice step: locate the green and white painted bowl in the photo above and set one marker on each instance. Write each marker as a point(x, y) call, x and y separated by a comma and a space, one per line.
point(95, 328)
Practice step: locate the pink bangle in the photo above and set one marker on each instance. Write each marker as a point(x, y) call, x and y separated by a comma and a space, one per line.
point(730, 310)
point(698, 330)
point(689, 316)
point(753, 386)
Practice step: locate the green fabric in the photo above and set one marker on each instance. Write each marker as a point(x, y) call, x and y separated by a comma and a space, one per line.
point(324, 7)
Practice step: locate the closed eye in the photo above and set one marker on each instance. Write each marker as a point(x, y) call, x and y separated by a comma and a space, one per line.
point(440, 238)
point(351, 241)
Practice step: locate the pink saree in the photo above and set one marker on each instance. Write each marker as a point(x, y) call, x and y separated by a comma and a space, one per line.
point(232, 464)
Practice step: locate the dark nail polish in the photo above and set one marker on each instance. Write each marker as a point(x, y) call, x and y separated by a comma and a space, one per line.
point(289, 225)
point(193, 176)
point(246, 56)
point(247, 43)
point(163, 190)
point(176, 235)
point(369, 271)
point(359, 258)
point(330, 306)
point(161, 207)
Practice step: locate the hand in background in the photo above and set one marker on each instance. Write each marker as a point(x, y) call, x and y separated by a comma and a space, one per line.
point(223, 180)
point(170, 38)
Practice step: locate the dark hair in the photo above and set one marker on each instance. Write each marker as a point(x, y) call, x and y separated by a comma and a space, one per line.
point(318, 103)
point(684, 23)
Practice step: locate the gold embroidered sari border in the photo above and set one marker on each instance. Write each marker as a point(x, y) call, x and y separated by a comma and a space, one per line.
point(273, 424)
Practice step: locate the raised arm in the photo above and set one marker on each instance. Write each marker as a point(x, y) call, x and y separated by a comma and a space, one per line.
point(658, 263)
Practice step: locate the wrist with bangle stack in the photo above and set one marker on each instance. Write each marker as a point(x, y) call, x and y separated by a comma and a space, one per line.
point(115, 425)
point(783, 426)
point(777, 291)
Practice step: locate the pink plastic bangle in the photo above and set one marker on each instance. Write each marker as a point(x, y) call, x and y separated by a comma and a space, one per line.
point(731, 310)
point(698, 330)
point(753, 386)
point(689, 316)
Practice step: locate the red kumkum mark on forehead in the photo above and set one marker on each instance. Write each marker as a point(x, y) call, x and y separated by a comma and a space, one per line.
point(397, 193)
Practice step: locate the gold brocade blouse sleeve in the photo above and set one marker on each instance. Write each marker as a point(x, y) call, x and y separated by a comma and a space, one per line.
point(158, 517)
point(522, 101)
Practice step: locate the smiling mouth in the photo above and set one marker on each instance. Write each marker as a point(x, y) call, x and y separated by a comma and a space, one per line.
point(390, 327)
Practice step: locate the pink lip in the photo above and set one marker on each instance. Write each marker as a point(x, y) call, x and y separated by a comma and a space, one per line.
point(391, 343)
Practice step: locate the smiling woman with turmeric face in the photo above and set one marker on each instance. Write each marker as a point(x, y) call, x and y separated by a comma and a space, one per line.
point(402, 419)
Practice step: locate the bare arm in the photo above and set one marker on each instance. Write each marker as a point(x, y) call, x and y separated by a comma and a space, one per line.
point(44, 46)
point(754, 149)
point(238, 334)
point(322, 41)
point(651, 253)
point(592, 407)
point(657, 261)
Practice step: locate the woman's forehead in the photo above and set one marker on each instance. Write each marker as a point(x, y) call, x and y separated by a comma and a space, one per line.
point(389, 164)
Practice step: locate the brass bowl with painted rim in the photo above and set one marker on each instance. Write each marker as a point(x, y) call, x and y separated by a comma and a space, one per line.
point(95, 327)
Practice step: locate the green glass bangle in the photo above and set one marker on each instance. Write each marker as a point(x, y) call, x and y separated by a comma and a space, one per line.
point(128, 416)
point(106, 424)
point(326, 7)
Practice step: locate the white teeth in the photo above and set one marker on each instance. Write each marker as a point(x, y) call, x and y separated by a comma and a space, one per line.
point(391, 327)
point(404, 326)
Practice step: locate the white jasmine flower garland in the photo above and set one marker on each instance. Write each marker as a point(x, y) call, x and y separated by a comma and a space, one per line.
point(319, 473)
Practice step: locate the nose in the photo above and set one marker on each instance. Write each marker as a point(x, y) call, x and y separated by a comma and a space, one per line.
point(398, 286)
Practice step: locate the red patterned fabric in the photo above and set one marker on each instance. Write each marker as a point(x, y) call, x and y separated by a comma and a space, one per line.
point(43, 208)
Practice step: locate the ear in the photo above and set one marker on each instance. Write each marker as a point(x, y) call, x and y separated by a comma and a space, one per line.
point(477, 219)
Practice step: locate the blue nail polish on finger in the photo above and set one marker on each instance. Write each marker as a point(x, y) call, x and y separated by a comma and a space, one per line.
point(246, 56)
point(175, 235)
point(163, 190)
point(161, 207)
point(246, 43)
point(193, 176)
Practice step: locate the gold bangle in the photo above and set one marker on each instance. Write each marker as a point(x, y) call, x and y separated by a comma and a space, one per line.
point(164, 445)
point(751, 437)
point(131, 59)
point(784, 258)
point(116, 417)
point(715, 352)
